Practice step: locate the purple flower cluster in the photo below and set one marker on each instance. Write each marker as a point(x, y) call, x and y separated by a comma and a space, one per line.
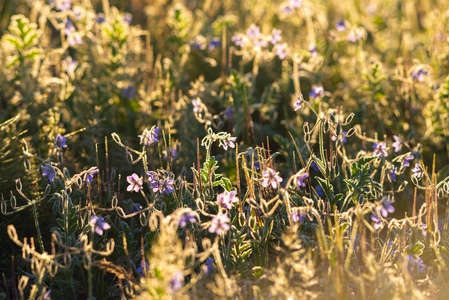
point(385, 207)
point(317, 92)
point(418, 171)
point(297, 216)
point(160, 184)
point(419, 75)
point(377, 223)
point(186, 217)
point(416, 265)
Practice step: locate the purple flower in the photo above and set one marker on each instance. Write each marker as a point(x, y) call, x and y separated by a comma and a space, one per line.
point(281, 51)
point(48, 170)
point(128, 18)
point(392, 174)
point(186, 217)
point(297, 216)
point(61, 5)
point(295, 3)
point(406, 160)
point(69, 27)
point(226, 199)
point(135, 183)
point(275, 36)
point(380, 149)
point(319, 191)
point(416, 265)
point(260, 42)
point(209, 265)
point(286, 9)
point(271, 177)
point(229, 111)
point(220, 224)
point(149, 136)
point(153, 178)
point(397, 143)
point(89, 175)
point(418, 171)
point(238, 40)
point(128, 92)
point(299, 103)
point(377, 223)
point(419, 75)
point(214, 43)
point(60, 141)
point(343, 137)
point(313, 51)
point(98, 225)
point(196, 105)
point(100, 18)
point(166, 186)
point(173, 153)
point(177, 281)
point(341, 26)
point(70, 65)
point(317, 92)
point(229, 141)
point(301, 178)
point(253, 32)
point(47, 295)
point(385, 207)
point(314, 166)
point(140, 270)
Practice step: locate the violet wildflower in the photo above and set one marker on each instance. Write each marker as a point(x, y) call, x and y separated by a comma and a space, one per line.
point(377, 223)
point(220, 224)
point(149, 136)
point(209, 265)
point(173, 153)
point(128, 18)
point(295, 3)
point(314, 166)
point(319, 191)
point(297, 216)
point(229, 111)
point(238, 40)
point(186, 217)
point(70, 65)
point(313, 51)
point(416, 265)
point(226, 199)
point(135, 183)
point(100, 18)
point(397, 143)
point(89, 175)
point(196, 105)
point(176, 282)
point(47, 295)
point(299, 103)
point(141, 271)
point(281, 51)
point(380, 149)
point(61, 5)
point(214, 43)
point(341, 26)
point(253, 31)
point(354, 35)
point(301, 177)
point(48, 170)
point(60, 141)
point(392, 174)
point(419, 74)
point(275, 36)
point(260, 42)
point(418, 171)
point(228, 141)
point(128, 92)
point(153, 178)
point(317, 92)
point(286, 9)
point(385, 207)
point(167, 186)
point(69, 27)
point(343, 137)
point(406, 161)
point(98, 225)
point(271, 177)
